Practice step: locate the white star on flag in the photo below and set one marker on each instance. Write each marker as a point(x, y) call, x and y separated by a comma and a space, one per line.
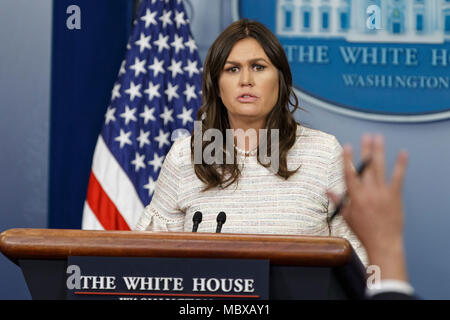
point(177, 44)
point(138, 67)
point(109, 116)
point(165, 18)
point(143, 43)
point(162, 138)
point(162, 43)
point(189, 92)
point(134, 91)
point(148, 114)
point(138, 162)
point(167, 115)
point(150, 186)
point(157, 66)
point(175, 68)
point(191, 68)
point(152, 91)
point(156, 163)
point(143, 138)
point(149, 18)
point(171, 91)
point(116, 91)
point(186, 116)
point(191, 44)
point(122, 68)
point(179, 20)
point(128, 115)
point(124, 138)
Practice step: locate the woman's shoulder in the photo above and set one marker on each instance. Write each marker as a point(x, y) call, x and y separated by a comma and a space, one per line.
point(181, 148)
point(315, 138)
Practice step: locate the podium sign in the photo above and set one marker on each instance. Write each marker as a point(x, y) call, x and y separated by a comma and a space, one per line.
point(141, 278)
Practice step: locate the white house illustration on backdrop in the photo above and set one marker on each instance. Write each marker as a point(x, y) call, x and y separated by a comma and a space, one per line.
point(417, 21)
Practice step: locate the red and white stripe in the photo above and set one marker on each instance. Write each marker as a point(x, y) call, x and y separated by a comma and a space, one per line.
point(112, 202)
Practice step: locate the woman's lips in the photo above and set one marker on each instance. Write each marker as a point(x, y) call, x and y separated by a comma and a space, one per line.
point(247, 98)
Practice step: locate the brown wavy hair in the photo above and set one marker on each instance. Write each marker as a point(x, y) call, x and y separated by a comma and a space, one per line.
point(213, 113)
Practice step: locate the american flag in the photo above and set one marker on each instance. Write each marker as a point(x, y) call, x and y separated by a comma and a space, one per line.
point(156, 96)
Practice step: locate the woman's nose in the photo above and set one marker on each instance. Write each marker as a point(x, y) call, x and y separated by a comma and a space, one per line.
point(246, 78)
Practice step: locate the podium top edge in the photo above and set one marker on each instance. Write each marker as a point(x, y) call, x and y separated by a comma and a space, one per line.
point(279, 249)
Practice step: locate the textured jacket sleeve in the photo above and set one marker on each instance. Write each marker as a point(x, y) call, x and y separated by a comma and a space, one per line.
point(163, 212)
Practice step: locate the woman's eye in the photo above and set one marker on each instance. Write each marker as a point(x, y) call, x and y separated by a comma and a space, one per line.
point(258, 67)
point(232, 69)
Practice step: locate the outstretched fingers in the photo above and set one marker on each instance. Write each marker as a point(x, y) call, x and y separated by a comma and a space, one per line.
point(378, 160)
point(399, 171)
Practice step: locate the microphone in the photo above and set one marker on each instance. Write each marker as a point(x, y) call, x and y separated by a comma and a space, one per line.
point(196, 219)
point(221, 218)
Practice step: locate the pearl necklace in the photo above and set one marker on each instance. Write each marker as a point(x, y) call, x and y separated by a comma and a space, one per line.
point(246, 153)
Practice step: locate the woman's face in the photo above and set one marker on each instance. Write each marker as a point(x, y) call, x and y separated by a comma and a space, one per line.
point(248, 83)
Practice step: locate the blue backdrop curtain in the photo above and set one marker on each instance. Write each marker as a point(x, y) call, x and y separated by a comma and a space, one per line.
point(85, 64)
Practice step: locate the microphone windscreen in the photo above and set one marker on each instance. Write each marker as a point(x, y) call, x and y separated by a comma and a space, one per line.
point(221, 217)
point(197, 217)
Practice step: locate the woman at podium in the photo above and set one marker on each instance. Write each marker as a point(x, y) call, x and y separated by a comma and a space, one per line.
point(248, 157)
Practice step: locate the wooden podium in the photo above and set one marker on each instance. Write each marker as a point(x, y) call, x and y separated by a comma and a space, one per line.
point(300, 267)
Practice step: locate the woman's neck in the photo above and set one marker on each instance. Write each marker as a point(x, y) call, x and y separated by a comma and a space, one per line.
point(246, 136)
